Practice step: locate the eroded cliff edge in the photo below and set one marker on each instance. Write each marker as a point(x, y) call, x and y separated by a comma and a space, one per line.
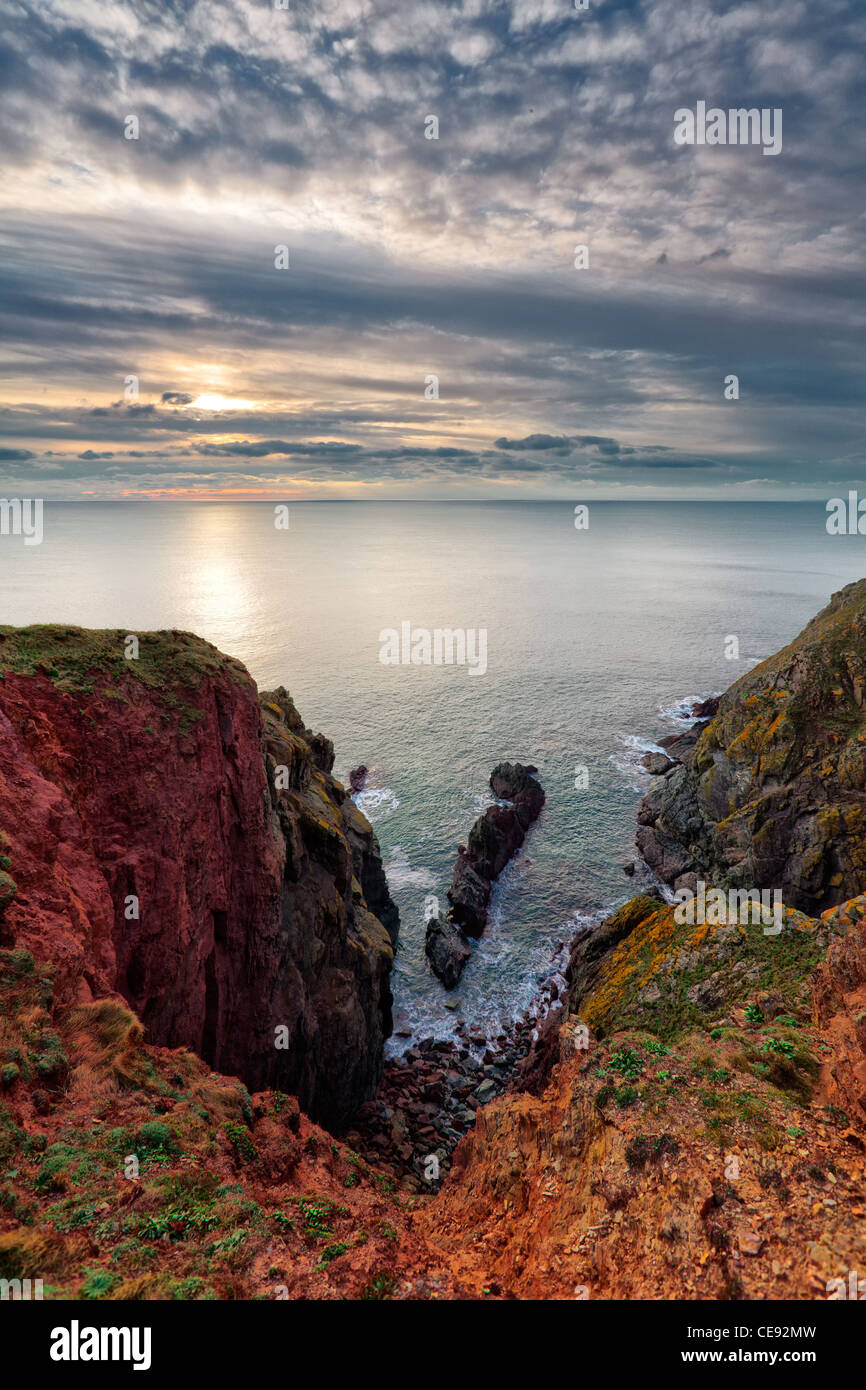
point(692, 1124)
point(176, 839)
point(773, 795)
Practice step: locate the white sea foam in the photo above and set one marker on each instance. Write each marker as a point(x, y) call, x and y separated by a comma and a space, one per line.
point(628, 762)
point(376, 802)
point(400, 873)
point(679, 714)
point(526, 993)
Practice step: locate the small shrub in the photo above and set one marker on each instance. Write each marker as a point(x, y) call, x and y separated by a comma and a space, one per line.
point(381, 1286)
point(648, 1148)
point(97, 1284)
point(155, 1138)
point(241, 1141)
point(628, 1063)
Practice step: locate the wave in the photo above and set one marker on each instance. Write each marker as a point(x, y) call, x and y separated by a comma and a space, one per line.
point(628, 762)
point(524, 994)
point(376, 802)
point(679, 715)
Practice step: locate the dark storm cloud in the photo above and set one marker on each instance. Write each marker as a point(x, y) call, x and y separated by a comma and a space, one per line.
point(412, 256)
point(535, 441)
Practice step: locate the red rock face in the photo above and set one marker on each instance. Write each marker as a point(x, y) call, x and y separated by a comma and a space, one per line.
point(158, 855)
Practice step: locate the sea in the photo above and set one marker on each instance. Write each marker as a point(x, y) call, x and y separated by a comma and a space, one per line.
point(598, 638)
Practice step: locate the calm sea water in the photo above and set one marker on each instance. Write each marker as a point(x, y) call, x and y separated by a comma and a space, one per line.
point(595, 638)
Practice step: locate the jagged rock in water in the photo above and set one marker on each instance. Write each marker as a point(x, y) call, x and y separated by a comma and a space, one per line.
point(493, 840)
point(447, 951)
point(657, 764)
point(705, 709)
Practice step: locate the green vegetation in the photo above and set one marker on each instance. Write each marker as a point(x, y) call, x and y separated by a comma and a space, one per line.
point(241, 1141)
point(77, 659)
point(645, 1149)
point(382, 1286)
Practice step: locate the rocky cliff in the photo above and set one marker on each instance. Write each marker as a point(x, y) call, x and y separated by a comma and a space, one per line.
point(172, 838)
point(702, 1130)
point(773, 794)
point(696, 1126)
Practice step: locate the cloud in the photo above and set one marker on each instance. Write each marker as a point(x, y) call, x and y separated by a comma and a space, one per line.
point(535, 441)
point(412, 257)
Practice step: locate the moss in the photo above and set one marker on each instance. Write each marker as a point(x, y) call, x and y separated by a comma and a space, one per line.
point(155, 1138)
point(192, 1288)
point(239, 1137)
point(53, 1173)
point(8, 888)
point(92, 661)
point(650, 979)
point(167, 659)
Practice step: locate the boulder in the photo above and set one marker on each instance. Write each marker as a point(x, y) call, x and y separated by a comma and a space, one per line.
point(447, 951)
point(657, 764)
point(357, 779)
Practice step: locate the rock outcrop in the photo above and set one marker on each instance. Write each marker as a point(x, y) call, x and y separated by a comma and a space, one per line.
point(656, 764)
point(773, 792)
point(447, 950)
point(695, 1127)
point(357, 779)
point(493, 840)
point(175, 841)
point(611, 1176)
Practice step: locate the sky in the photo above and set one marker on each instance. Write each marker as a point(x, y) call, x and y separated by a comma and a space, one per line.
point(155, 345)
